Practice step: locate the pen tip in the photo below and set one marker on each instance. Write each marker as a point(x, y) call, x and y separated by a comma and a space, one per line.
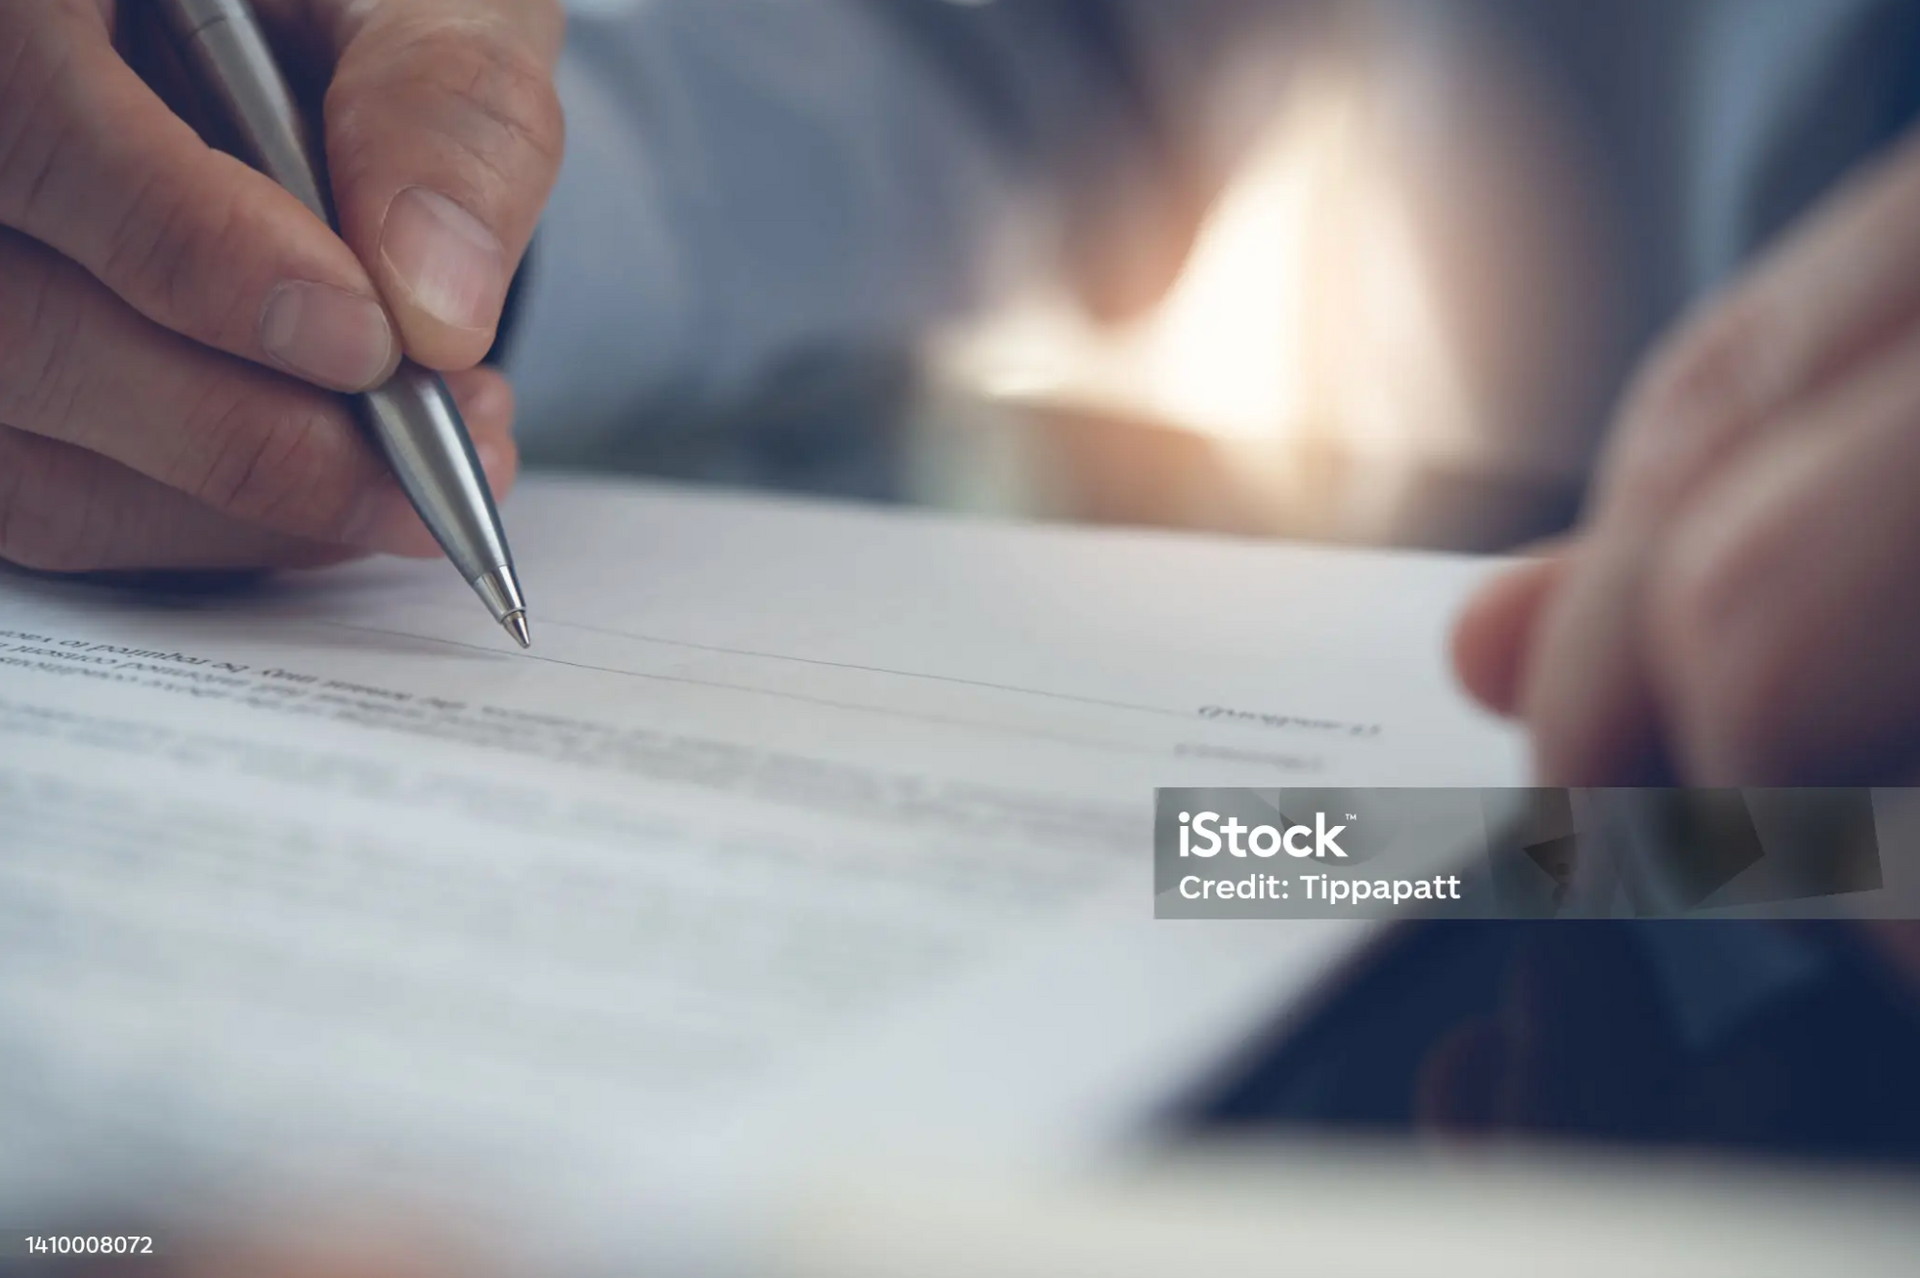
point(516, 624)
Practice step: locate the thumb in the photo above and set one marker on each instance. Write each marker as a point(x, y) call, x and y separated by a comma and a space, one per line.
point(443, 140)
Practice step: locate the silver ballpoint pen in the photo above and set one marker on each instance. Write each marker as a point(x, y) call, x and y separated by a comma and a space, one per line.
point(412, 417)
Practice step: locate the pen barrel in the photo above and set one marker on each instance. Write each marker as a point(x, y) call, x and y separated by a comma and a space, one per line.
point(412, 417)
point(223, 42)
point(418, 427)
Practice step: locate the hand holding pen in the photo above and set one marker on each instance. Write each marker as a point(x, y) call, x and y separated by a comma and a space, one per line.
point(174, 325)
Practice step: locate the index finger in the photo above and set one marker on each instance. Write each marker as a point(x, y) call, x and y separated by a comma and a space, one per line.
point(444, 136)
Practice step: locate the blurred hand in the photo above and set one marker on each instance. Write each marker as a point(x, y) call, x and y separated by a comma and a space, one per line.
point(171, 322)
point(1740, 606)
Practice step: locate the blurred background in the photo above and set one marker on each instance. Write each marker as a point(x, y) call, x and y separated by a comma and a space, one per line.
point(1381, 288)
point(1382, 330)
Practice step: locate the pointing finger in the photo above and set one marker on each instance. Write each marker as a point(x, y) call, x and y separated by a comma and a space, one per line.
point(444, 137)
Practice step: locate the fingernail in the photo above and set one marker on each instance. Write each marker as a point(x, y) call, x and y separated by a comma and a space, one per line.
point(327, 335)
point(447, 260)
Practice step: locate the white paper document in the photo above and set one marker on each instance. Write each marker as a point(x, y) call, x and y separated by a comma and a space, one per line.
point(800, 829)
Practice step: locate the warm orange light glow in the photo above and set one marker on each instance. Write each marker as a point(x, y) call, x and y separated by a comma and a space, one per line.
point(1304, 311)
